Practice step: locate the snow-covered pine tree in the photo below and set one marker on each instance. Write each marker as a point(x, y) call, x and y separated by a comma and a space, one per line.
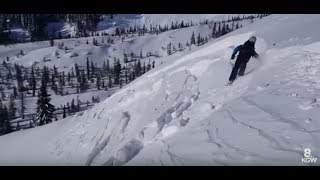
point(3, 118)
point(33, 82)
point(199, 40)
point(88, 68)
point(193, 40)
point(22, 106)
point(45, 109)
point(73, 107)
point(93, 70)
point(19, 77)
point(54, 86)
point(7, 124)
point(169, 49)
point(78, 104)
point(15, 93)
point(98, 82)
point(64, 112)
point(18, 128)
point(109, 81)
point(12, 108)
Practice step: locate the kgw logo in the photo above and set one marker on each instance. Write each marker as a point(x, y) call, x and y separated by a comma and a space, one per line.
point(308, 157)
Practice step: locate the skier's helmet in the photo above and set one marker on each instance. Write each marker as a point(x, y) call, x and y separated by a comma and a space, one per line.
point(253, 39)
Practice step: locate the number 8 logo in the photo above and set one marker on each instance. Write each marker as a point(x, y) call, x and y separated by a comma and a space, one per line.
point(307, 153)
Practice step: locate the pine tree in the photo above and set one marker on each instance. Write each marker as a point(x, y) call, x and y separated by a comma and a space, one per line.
point(9, 75)
point(107, 70)
point(51, 42)
point(104, 68)
point(64, 111)
point(110, 81)
point(3, 95)
point(15, 93)
point(98, 82)
point(78, 104)
point(237, 25)
point(88, 69)
point(7, 128)
point(126, 75)
point(18, 128)
point(62, 77)
point(69, 79)
point(83, 82)
point(72, 73)
point(92, 70)
point(148, 66)
point(30, 124)
point(193, 40)
point(105, 87)
point(68, 108)
point(144, 67)
point(11, 111)
point(3, 118)
point(141, 56)
point(117, 72)
point(213, 35)
point(61, 89)
point(117, 33)
point(103, 84)
point(76, 67)
point(19, 77)
point(169, 47)
point(53, 84)
point(139, 68)
point(73, 107)
point(45, 109)
point(46, 75)
point(55, 71)
point(22, 107)
point(219, 30)
point(224, 29)
point(33, 82)
point(199, 40)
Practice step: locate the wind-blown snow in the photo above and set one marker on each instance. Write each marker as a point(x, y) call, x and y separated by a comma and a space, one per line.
point(181, 113)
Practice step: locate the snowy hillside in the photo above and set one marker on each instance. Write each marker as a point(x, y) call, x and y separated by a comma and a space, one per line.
point(127, 20)
point(79, 50)
point(181, 112)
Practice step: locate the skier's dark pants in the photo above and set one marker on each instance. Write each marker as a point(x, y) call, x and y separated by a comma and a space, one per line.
point(240, 64)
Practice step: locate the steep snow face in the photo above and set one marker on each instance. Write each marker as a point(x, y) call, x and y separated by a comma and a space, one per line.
point(181, 113)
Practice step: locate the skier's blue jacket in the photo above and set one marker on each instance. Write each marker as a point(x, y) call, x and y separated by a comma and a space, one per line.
point(246, 51)
point(235, 51)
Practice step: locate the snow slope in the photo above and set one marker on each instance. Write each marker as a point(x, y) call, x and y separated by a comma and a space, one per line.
point(98, 54)
point(130, 20)
point(181, 113)
point(35, 52)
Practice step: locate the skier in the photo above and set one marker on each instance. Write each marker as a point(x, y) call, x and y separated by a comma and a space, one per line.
point(246, 52)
